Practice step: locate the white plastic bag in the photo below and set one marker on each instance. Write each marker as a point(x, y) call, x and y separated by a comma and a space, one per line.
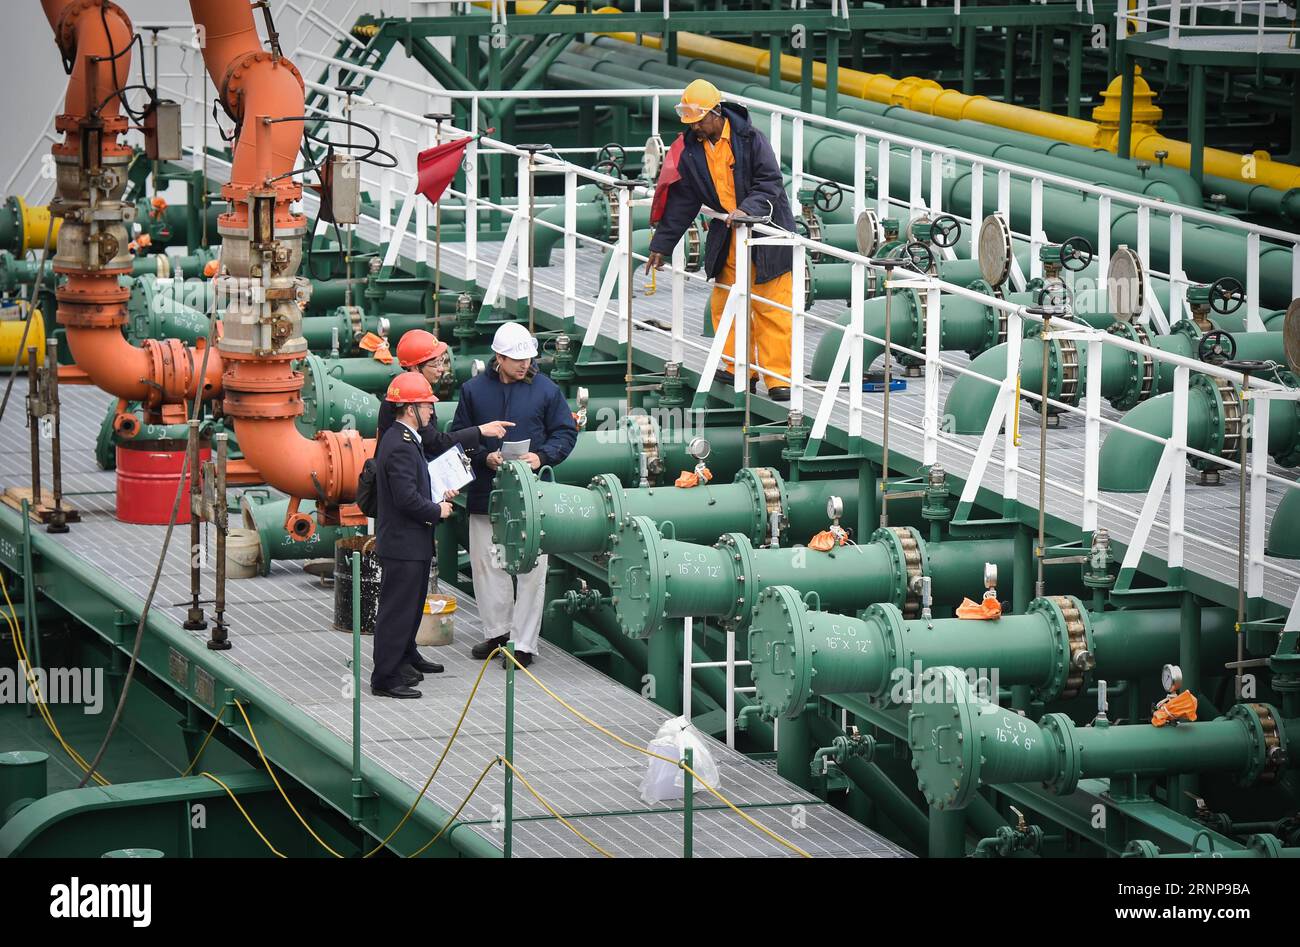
point(663, 780)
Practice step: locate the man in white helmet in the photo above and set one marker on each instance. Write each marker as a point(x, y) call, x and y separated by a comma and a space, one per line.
point(510, 389)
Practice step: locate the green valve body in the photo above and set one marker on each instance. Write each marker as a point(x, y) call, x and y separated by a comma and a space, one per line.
point(267, 516)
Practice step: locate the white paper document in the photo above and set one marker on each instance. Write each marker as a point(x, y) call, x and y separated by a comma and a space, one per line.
point(514, 450)
point(450, 470)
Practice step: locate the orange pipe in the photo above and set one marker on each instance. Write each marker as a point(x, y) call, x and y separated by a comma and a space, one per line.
point(92, 306)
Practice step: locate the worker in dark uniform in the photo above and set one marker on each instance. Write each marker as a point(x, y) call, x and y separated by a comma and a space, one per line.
point(407, 516)
point(420, 351)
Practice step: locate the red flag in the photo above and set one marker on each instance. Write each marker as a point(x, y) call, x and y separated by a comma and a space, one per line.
point(437, 167)
point(668, 176)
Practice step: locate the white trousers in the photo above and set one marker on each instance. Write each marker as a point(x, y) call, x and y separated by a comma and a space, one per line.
point(507, 605)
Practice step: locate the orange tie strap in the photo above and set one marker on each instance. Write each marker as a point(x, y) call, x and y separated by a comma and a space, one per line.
point(691, 478)
point(159, 205)
point(987, 609)
point(378, 347)
point(210, 269)
point(1175, 708)
point(827, 540)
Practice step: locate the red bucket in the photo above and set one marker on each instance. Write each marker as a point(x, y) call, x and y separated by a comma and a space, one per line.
point(146, 482)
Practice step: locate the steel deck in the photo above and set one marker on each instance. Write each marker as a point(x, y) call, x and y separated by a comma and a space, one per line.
point(280, 626)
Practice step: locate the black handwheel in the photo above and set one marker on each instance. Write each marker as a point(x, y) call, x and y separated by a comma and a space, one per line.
point(1076, 254)
point(1053, 294)
point(612, 152)
point(828, 197)
point(1217, 347)
point(1226, 295)
point(608, 167)
point(919, 256)
point(945, 231)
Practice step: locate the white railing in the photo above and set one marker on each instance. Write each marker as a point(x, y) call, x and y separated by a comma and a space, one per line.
point(1180, 17)
point(396, 192)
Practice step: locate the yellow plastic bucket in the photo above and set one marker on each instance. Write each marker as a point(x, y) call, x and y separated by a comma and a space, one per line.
point(436, 624)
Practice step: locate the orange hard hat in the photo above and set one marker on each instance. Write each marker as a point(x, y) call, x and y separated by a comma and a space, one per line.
point(409, 388)
point(417, 346)
point(698, 99)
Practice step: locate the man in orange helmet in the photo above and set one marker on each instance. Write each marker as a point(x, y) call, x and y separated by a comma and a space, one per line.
point(408, 513)
point(422, 352)
point(730, 166)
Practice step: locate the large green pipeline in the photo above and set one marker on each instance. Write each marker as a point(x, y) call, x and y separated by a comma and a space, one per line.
point(800, 653)
point(654, 578)
point(1208, 252)
point(532, 517)
point(596, 217)
point(1284, 528)
point(1128, 461)
point(1127, 378)
point(108, 440)
point(960, 742)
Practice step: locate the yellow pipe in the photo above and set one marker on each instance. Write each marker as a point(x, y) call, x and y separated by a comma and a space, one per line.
point(12, 324)
point(926, 95)
point(36, 224)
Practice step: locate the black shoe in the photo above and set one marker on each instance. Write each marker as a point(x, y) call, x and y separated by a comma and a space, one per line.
point(728, 379)
point(426, 667)
point(401, 693)
point(523, 657)
point(411, 676)
point(484, 648)
point(779, 394)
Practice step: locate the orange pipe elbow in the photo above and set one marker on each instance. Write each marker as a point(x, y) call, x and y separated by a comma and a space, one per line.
point(160, 372)
point(325, 467)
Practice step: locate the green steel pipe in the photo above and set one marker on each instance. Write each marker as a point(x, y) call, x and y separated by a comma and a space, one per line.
point(1128, 462)
point(267, 516)
point(960, 742)
point(1127, 378)
point(108, 440)
point(799, 653)
point(656, 578)
point(596, 217)
point(1284, 528)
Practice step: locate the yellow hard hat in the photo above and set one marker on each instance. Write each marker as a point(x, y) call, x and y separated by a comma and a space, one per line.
point(698, 99)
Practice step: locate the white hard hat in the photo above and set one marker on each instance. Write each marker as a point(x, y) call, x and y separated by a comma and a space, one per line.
point(513, 341)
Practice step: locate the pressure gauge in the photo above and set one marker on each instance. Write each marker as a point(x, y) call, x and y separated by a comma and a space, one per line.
point(990, 575)
point(834, 508)
point(698, 448)
point(1171, 677)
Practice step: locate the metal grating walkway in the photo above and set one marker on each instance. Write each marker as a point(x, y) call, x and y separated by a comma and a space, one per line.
point(280, 626)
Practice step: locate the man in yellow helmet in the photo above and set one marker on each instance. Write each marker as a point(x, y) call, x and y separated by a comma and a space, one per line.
point(728, 165)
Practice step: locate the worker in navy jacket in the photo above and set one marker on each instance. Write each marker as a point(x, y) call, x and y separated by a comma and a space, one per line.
point(511, 389)
point(726, 164)
point(407, 516)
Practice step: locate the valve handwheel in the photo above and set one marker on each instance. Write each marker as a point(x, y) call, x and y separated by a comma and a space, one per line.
point(1226, 295)
point(608, 167)
point(1076, 254)
point(828, 197)
point(945, 231)
point(919, 256)
point(1053, 294)
point(1216, 347)
point(612, 152)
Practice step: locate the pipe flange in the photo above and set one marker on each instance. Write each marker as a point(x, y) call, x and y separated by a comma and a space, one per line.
point(65, 31)
point(1064, 371)
point(1267, 742)
point(995, 321)
point(813, 227)
point(942, 734)
point(1141, 380)
point(895, 643)
point(910, 562)
point(916, 340)
point(1068, 621)
point(516, 514)
point(609, 492)
point(232, 84)
point(345, 457)
point(768, 495)
point(1225, 421)
point(740, 554)
point(1065, 760)
point(638, 582)
point(694, 247)
point(780, 652)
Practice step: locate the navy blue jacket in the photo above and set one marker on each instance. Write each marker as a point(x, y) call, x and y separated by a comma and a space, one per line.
point(407, 513)
point(434, 440)
point(540, 414)
point(758, 183)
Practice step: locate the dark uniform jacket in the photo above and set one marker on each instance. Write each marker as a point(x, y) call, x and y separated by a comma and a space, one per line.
point(434, 440)
point(407, 512)
point(536, 406)
point(760, 190)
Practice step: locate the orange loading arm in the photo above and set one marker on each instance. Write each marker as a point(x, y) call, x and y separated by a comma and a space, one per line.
point(92, 245)
point(262, 245)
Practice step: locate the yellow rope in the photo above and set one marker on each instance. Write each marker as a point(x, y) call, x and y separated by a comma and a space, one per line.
point(1015, 424)
point(204, 746)
point(20, 649)
point(247, 818)
point(549, 808)
point(284, 795)
point(463, 803)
